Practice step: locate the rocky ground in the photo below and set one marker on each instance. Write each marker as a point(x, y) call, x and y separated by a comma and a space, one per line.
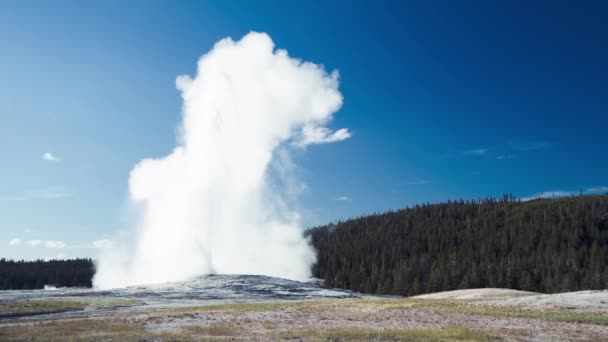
point(465, 315)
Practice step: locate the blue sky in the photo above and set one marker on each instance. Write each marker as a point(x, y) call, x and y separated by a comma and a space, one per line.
point(445, 100)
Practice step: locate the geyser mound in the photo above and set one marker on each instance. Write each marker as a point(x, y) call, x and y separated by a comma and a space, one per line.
point(210, 206)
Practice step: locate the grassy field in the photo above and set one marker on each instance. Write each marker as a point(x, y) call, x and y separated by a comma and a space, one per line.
point(384, 306)
point(40, 306)
point(393, 319)
point(346, 334)
point(104, 330)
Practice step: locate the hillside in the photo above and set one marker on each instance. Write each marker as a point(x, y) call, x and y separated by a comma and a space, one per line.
point(541, 246)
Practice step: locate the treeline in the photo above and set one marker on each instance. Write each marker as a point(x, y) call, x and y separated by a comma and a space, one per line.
point(542, 245)
point(28, 275)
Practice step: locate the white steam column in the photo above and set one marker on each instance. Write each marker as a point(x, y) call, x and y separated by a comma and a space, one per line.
point(209, 207)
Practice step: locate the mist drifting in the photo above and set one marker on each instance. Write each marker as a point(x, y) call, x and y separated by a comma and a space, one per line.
point(211, 206)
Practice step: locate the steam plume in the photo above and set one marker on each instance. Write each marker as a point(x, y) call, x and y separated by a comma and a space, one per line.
point(210, 206)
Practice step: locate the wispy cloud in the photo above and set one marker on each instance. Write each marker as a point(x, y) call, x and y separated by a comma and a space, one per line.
point(53, 244)
point(566, 193)
point(476, 152)
point(598, 190)
point(40, 194)
point(57, 244)
point(50, 193)
point(14, 242)
point(47, 243)
point(58, 256)
point(343, 198)
point(104, 243)
point(549, 194)
point(321, 135)
point(504, 151)
point(48, 156)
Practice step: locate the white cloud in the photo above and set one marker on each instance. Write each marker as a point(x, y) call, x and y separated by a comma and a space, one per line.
point(597, 190)
point(51, 193)
point(58, 256)
point(101, 244)
point(343, 198)
point(476, 152)
point(34, 243)
point(44, 194)
point(549, 194)
point(320, 135)
point(54, 244)
point(48, 156)
point(47, 243)
point(566, 193)
point(505, 156)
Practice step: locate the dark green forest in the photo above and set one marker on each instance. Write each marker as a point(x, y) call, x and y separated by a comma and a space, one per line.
point(545, 245)
point(27, 275)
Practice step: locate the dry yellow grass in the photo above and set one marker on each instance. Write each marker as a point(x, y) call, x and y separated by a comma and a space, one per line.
point(112, 330)
point(323, 320)
point(54, 305)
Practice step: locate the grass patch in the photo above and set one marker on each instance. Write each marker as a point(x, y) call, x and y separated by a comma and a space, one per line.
point(510, 311)
point(68, 330)
point(242, 307)
point(379, 305)
point(413, 335)
point(73, 330)
point(385, 305)
point(300, 305)
point(215, 330)
point(120, 327)
point(27, 306)
point(116, 330)
point(55, 305)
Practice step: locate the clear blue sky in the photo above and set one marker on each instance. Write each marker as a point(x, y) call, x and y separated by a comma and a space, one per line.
point(445, 99)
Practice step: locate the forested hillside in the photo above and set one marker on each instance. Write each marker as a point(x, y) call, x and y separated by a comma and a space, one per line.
point(27, 275)
point(541, 245)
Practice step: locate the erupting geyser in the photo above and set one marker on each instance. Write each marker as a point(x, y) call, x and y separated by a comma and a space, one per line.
point(210, 206)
